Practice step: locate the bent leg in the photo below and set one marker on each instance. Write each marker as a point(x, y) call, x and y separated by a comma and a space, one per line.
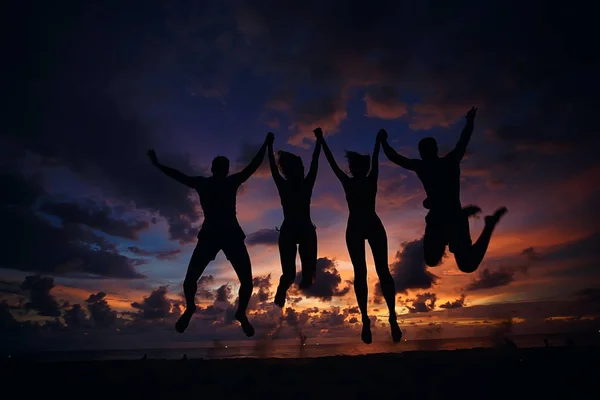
point(237, 253)
point(356, 249)
point(287, 255)
point(434, 243)
point(468, 258)
point(308, 256)
point(204, 253)
point(378, 243)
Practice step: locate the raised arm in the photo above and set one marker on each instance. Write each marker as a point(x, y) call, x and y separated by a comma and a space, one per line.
point(341, 175)
point(465, 136)
point(274, 169)
point(251, 168)
point(374, 174)
point(311, 177)
point(390, 153)
point(171, 172)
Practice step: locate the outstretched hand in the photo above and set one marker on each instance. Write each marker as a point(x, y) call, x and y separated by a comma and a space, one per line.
point(318, 133)
point(382, 135)
point(471, 113)
point(152, 154)
point(270, 138)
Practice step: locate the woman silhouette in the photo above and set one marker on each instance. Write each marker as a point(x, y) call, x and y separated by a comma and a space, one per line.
point(297, 229)
point(364, 224)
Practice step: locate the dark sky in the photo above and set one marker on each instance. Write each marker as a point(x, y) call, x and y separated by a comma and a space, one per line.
point(95, 240)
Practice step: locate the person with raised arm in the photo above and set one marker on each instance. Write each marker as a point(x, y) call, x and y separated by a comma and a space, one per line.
point(364, 224)
point(297, 232)
point(447, 222)
point(220, 230)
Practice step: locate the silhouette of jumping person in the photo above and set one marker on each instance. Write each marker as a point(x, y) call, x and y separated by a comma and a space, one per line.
point(364, 224)
point(295, 191)
point(447, 222)
point(220, 230)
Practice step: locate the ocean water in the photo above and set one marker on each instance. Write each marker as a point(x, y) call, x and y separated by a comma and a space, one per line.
point(267, 348)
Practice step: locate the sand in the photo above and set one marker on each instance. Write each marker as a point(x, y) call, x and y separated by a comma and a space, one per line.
point(569, 373)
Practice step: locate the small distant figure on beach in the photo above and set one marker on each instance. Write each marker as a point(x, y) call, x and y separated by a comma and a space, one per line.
point(364, 224)
point(447, 223)
point(220, 230)
point(547, 342)
point(184, 358)
point(144, 357)
point(297, 233)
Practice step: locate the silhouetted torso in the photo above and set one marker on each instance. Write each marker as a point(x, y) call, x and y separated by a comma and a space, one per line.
point(295, 201)
point(218, 201)
point(360, 195)
point(441, 181)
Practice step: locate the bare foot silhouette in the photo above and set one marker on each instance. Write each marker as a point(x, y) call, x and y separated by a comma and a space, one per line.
point(246, 326)
point(183, 321)
point(366, 332)
point(495, 217)
point(396, 332)
point(307, 281)
point(471, 210)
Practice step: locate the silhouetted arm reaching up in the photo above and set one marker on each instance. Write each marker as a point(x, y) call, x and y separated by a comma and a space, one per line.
point(311, 177)
point(273, 164)
point(465, 136)
point(251, 168)
point(374, 174)
point(404, 162)
point(180, 177)
point(341, 175)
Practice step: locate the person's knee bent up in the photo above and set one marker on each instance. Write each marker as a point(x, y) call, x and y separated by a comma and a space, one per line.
point(464, 262)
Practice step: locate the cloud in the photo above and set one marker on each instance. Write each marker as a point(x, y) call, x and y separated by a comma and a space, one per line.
point(204, 290)
point(383, 102)
point(409, 269)
point(504, 275)
point(94, 129)
point(422, 303)
point(40, 298)
point(263, 283)
point(267, 237)
point(458, 303)
point(159, 254)
point(35, 244)
point(96, 216)
point(224, 293)
point(157, 305)
point(101, 315)
point(327, 283)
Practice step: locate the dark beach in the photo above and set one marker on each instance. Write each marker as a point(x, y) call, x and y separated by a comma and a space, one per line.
point(475, 373)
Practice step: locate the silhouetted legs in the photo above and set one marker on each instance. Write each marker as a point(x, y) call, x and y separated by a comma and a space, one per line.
point(287, 255)
point(469, 258)
point(355, 241)
point(307, 248)
point(204, 253)
point(377, 239)
point(206, 250)
point(290, 243)
point(237, 253)
point(443, 230)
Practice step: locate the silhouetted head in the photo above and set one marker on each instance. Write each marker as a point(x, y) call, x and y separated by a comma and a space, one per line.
point(359, 164)
point(291, 165)
point(428, 148)
point(220, 166)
